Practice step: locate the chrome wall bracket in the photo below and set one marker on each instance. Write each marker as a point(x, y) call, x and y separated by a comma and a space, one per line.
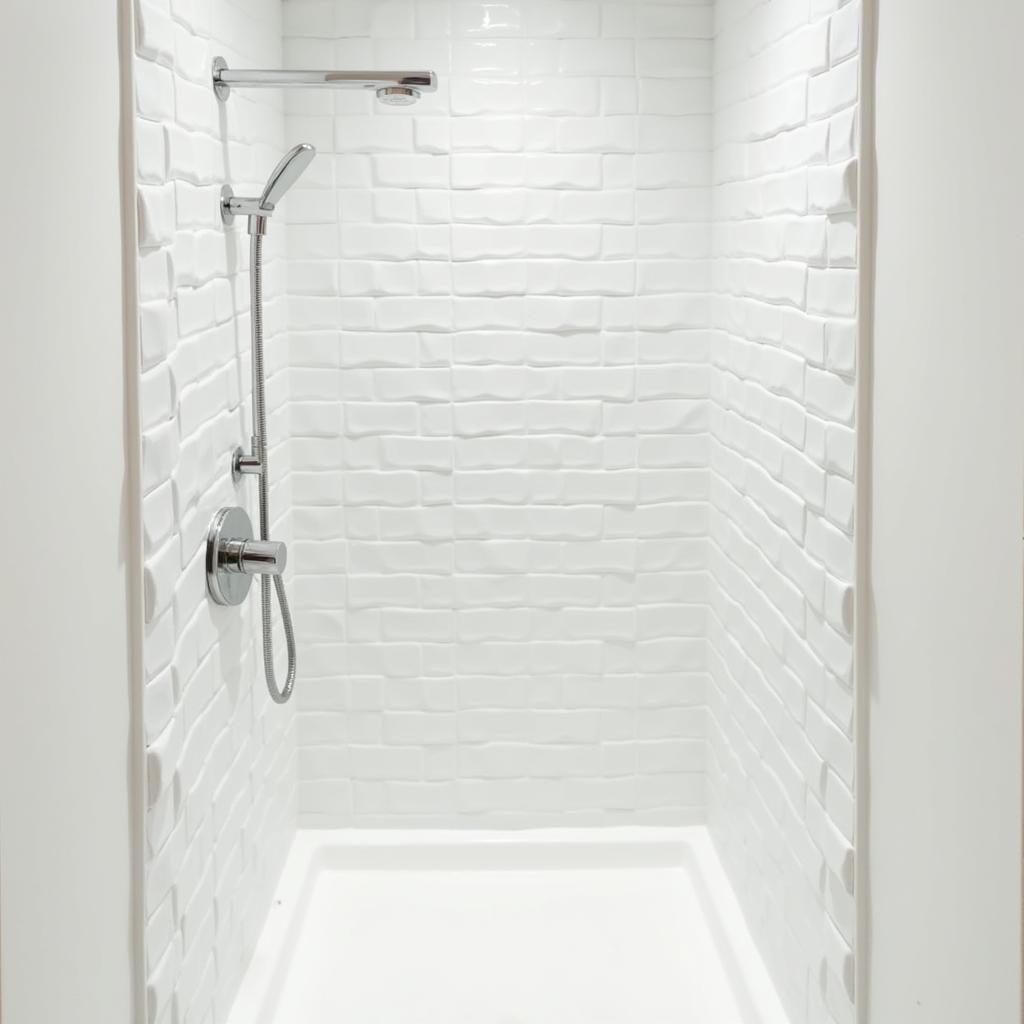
point(233, 556)
point(227, 214)
point(232, 206)
point(221, 89)
point(244, 463)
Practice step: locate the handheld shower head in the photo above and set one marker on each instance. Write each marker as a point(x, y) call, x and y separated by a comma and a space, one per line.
point(282, 177)
point(285, 174)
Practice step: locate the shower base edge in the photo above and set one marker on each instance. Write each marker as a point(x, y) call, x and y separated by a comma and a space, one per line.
point(631, 925)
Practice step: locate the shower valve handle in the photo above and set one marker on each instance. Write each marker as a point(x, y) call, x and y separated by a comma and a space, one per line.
point(234, 556)
point(253, 557)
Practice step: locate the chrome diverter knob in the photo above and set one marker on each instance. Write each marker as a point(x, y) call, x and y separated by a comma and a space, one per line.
point(252, 556)
point(233, 556)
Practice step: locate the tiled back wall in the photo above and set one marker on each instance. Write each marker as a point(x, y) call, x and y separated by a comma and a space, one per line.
point(500, 359)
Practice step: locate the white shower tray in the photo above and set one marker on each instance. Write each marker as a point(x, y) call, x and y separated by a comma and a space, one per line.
point(553, 926)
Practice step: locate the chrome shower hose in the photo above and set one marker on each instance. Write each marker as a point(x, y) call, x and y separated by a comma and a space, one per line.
point(259, 430)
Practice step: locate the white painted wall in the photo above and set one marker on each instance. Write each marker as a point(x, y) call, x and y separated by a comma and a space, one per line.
point(65, 741)
point(947, 508)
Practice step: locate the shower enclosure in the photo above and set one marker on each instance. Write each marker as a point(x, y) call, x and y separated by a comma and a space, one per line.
point(559, 399)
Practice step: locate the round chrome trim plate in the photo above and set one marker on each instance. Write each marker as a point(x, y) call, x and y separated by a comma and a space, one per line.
point(227, 587)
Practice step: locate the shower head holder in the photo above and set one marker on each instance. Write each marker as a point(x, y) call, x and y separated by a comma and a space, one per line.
point(232, 206)
point(259, 208)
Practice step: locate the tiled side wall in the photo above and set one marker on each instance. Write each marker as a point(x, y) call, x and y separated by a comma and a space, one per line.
point(781, 755)
point(221, 772)
point(499, 310)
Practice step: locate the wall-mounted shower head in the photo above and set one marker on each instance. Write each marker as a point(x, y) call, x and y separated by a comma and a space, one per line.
point(398, 95)
point(282, 177)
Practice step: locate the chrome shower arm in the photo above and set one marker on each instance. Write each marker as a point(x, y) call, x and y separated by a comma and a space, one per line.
point(224, 78)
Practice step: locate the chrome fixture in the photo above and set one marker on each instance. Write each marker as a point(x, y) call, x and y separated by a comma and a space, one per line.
point(398, 96)
point(258, 209)
point(232, 556)
point(411, 83)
